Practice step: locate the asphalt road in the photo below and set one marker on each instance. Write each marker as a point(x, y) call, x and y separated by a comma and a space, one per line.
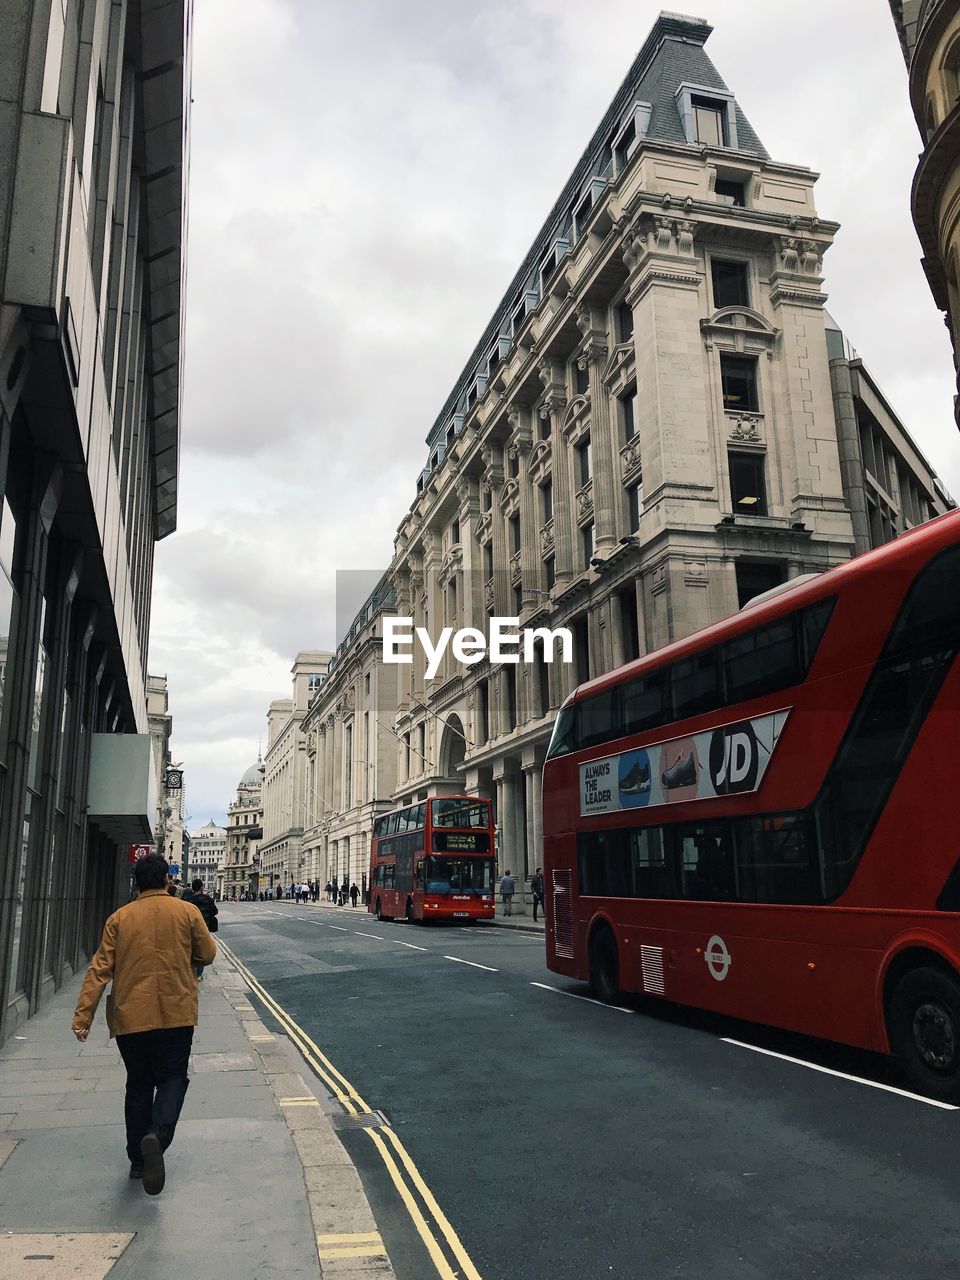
point(571, 1141)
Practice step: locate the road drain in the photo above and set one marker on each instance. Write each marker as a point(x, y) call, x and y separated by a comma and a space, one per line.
point(369, 1120)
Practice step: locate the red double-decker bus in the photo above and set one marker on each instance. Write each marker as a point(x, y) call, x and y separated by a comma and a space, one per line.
point(762, 819)
point(434, 861)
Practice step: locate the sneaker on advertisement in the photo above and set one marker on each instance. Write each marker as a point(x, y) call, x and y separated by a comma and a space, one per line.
point(636, 780)
point(682, 773)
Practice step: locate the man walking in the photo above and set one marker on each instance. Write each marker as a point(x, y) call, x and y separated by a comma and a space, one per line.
point(536, 888)
point(507, 889)
point(344, 892)
point(354, 894)
point(149, 949)
point(207, 908)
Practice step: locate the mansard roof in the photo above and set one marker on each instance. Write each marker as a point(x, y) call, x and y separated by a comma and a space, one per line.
point(671, 56)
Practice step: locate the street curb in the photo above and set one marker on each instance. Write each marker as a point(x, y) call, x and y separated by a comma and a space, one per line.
point(328, 906)
point(521, 928)
point(335, 1195)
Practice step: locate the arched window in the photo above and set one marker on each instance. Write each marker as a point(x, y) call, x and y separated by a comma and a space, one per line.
point(951, 74)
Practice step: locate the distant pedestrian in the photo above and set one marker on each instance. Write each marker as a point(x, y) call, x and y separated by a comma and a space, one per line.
point(344, 892)
point(172, 890)
point(507, 890)
point(536, 888)
point(207, 908)
point(354, 894)
point(279, 893)
point(148, 951)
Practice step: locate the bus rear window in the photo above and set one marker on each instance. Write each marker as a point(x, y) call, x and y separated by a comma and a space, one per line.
point(564, 737)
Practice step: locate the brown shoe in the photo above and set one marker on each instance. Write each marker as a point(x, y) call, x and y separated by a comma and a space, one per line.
point(154, 1173)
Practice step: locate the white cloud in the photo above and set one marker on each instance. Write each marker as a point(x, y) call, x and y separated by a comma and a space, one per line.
point(365, 180)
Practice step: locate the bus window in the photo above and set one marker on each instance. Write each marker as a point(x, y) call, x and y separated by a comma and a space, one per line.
point(419, 875)
point(600, 718)
point(605, 869)
point(421, 816)
point(645, 702)
point(652, 872)
point(775, 860)
point(706, 862)
point(459, 814)
point(761, 661)
point(695, 685)
point(564, 737)
point(393, 821)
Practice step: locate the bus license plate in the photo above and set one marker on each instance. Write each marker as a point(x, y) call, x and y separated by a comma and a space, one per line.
point(457, 915)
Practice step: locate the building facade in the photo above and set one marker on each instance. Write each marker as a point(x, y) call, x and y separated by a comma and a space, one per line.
point(647, 435)
point(929, 32)
point(285, 777)
point(351, 754)
point(93, 128)
point(207, 850)
point(239, 868)
point(888, 484)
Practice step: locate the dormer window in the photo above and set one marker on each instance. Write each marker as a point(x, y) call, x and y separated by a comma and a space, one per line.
point(709, 122)
point(625, 145)
point(632, 132)
point(709, 115)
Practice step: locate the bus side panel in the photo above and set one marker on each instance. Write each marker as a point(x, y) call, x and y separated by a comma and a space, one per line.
point(744, 963)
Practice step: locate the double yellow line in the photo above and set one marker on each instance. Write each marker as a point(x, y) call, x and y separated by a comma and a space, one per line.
point(354, 1105)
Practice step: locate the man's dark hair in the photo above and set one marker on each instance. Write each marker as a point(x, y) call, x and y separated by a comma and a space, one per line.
point(196, 886)
point(151, 872)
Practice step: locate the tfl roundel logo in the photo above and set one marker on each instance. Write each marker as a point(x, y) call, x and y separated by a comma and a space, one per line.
point(734, 758)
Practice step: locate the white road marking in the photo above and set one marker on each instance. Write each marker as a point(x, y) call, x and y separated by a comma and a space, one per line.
point(828, 1071)
point(472, 963)
point(573, 996)
point(339, 928)
point(360, 934)
point(412, 945)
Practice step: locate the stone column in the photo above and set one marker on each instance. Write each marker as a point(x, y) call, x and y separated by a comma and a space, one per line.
point(493, 463)
point(551, 409)
point(593, 358)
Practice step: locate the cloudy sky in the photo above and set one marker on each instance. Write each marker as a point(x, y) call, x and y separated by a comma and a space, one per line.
point(365, 177)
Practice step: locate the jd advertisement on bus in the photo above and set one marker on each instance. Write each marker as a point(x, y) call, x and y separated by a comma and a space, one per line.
point(717, 762)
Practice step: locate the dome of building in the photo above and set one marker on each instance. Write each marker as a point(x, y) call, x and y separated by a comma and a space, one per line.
point(253, 776)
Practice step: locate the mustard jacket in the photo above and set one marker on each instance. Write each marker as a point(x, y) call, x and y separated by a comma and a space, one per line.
point(149, 948)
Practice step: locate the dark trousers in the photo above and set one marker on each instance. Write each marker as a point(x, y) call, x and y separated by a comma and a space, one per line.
point(537, 902)
point(156, 1063)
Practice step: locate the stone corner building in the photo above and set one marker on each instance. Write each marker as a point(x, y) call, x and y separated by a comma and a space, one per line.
point(929, 32)
point(93, 128)
point(644, 438)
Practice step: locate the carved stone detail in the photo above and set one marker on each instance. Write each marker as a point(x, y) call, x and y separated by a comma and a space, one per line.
point(584, 498)
point(546, 538)
point(746, 427)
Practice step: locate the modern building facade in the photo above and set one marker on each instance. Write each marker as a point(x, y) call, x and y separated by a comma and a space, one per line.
point(888, 484)
point(239, 867)
point(208, 849)
point(659, 423)
point(93, 129)
point(929, 32)
point(285, 777)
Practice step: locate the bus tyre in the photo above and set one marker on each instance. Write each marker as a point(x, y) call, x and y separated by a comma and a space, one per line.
point(924, 1031)
point(604, 965)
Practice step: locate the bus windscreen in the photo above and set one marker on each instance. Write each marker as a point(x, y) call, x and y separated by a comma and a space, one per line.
point(458, 875)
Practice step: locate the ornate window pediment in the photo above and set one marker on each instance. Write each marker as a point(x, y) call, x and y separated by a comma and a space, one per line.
point(739, 329)
point(576, 411)
point(540, 461)
point(510, 495)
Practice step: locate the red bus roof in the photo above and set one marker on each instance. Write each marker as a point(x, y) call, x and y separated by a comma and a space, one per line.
point(918, 543)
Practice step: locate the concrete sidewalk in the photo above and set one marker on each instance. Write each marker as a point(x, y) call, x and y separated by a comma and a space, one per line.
point(524, 924)
point(251, 1184)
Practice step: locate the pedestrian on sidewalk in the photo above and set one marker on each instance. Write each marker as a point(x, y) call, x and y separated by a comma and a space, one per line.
point(207, 908)
point(279, 892)
point(536, 888)
point(344, 892)
point(354, 894)
point(148, 950)
point(507, 890)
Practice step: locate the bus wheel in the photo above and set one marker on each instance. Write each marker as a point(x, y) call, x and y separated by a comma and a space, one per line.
point(378, 910)
point(924, 1030)
point(604, 965)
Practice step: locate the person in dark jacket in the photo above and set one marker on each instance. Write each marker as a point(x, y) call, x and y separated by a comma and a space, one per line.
point(207, 908)
point(354, 894)
point(344, 892)
point(536, 888)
